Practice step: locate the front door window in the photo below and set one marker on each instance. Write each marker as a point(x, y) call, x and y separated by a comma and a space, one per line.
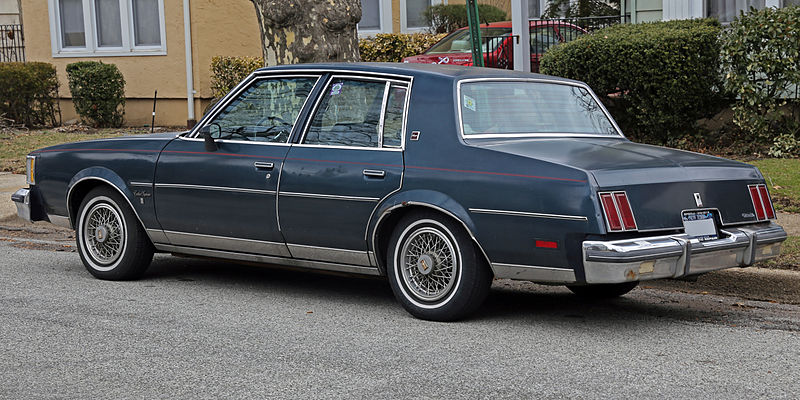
point(264, 112)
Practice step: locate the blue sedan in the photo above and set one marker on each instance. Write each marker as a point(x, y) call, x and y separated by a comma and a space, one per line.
point(439, 178)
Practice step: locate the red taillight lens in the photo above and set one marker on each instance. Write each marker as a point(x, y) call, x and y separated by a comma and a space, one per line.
point(761, 202)
point(610, 209)
point(625, 210)
point(766, 201)
point(618, 212)
point(757, 202)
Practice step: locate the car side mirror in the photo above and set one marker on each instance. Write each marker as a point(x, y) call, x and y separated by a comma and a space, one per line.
point(208, 131)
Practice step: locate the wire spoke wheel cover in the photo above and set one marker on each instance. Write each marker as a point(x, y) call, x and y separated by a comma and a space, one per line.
point(103, 233)
point(429, 263)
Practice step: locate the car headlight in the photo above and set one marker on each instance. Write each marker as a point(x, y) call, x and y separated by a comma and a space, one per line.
point(30, 170)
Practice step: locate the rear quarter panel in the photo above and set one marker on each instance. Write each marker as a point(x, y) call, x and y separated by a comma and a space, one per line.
point(441, 164)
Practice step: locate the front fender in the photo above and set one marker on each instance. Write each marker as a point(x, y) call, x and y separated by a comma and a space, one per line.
point(101, 174)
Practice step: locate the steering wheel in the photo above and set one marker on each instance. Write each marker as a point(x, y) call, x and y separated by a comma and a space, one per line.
point(236, 133)
point(272, 120)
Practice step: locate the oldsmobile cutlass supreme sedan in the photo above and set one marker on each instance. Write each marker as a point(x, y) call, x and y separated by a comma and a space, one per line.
point(439, 178)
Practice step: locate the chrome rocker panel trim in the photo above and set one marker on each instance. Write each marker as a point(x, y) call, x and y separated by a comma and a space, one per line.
point(261, 259)
point(533, 273)
point(677, 256)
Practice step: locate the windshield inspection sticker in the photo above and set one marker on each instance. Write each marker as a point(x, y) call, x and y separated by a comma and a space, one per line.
point(469, 102)
point(336, 89)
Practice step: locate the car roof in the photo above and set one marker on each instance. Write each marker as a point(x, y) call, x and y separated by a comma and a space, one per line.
point(435, 71)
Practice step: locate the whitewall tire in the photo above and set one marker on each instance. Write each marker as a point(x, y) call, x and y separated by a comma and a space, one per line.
point(111, 242)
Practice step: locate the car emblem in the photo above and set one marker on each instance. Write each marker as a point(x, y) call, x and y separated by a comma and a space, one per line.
point(415, 135)
point(698, 200)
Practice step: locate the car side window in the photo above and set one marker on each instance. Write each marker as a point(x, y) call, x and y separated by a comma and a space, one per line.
point(348, 114)
point(264, 112)
point(393, 118)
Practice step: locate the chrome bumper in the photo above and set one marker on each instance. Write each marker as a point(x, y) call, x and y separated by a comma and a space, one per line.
point(676, 256)
point(22, 199)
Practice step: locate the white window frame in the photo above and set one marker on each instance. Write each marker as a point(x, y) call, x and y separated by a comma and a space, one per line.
point(384, 20)
point(404, 17)
point(128, 48)
point(767, 4)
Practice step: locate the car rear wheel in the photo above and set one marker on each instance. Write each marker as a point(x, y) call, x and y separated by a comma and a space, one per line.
point(434, 268)
point(111, 242)
point(604, 291)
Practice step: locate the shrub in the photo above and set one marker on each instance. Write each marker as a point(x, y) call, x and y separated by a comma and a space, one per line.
point(98, 92)
point(29, 93)
point(227, 72)
point(392, 47)
point(658, 78)
point(760, 61)
point(444, 18)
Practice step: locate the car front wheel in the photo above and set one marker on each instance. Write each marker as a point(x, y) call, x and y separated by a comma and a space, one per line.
point(434, 268)
point(111, 242)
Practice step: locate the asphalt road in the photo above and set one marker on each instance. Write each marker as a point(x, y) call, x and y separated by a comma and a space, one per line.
point(203, 329)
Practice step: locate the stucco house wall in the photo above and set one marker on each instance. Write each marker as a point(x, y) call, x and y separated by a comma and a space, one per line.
point(218, 27)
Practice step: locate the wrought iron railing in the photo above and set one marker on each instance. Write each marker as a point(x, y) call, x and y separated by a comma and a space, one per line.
point(12, 43)
point(545, 33)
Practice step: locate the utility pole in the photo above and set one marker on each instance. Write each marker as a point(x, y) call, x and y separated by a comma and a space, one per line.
point(474, 32)
point(520, 28)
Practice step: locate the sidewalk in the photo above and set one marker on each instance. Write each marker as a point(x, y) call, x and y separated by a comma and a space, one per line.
point(9, 183)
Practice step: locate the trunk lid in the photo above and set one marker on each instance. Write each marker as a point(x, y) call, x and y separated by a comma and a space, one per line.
point(660, 182)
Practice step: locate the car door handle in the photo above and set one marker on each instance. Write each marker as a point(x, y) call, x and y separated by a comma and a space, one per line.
point(375, 173)
point(263, 165)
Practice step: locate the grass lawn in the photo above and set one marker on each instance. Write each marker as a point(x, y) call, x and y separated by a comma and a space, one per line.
point(789, 258)
point(783, 179)
point(15, 145)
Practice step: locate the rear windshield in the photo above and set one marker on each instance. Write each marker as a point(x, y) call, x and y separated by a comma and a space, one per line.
point(525, 107)
point(458, 41)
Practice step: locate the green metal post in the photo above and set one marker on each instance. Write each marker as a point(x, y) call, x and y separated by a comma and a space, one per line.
point(474, 32)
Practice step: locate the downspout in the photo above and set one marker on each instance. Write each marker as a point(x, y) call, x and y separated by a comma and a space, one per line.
point(187, 39)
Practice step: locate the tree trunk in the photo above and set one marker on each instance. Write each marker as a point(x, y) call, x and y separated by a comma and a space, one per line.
point(303, 31)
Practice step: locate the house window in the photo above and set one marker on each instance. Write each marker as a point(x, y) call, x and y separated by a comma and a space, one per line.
point(727, 10)
point(370, 15)
point(90, 28)
point(412, 14)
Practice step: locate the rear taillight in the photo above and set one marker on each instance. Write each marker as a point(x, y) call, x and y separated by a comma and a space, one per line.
point(761, 202)
point(618, 212)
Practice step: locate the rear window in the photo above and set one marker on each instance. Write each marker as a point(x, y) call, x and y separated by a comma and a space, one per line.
point(526, 107)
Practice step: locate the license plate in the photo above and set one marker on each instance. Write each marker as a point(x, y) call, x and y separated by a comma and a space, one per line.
point(700, 225)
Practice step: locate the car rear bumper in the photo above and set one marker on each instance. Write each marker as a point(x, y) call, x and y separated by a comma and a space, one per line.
point(676, 256)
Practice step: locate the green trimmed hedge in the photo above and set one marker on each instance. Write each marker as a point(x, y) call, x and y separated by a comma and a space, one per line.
point(657, 78)
point(227, 72)
point(761, 66)
point(98, 93)
point(29, 93)
point(444, 18)
point(393, 47)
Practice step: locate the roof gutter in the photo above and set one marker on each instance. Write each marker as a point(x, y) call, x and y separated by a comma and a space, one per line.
point(187, 38)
